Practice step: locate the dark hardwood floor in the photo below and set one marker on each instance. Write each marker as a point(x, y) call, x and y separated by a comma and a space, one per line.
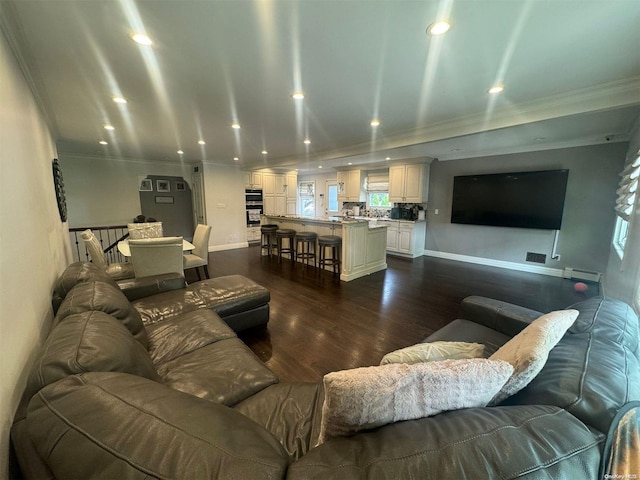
point(319, 324)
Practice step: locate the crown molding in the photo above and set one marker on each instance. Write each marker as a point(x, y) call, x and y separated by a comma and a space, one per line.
point(607, 96)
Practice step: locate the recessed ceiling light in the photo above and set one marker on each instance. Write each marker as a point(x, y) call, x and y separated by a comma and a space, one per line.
point(102, 142)
point(180, 152)
point(496, 89)
point(264, 152)
point(350, 163)
point(235, 125)
point(540, 139)
point(297, 95)
point(319, 166)
point(141, 39)
point(307, 141)
point(120, 100)
point(201, 142)
point(109, 127)
point(236, 159)
point(438, 28)
point(375, 122)
point(387, 158)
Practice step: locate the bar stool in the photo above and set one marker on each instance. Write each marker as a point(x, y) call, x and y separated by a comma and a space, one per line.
point(289, 234)
point(335, 244)
point(304, 241)
point(268, 232)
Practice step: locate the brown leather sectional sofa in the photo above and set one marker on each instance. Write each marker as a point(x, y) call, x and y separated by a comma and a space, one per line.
point(157, 385)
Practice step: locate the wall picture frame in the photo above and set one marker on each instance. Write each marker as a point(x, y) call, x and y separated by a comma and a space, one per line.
point(181, 186)
point(146, 185)
point(163, 186)
point(162, 199)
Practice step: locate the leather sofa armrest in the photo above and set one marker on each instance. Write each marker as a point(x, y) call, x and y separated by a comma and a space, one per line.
point(140, 287)
point(503, 317)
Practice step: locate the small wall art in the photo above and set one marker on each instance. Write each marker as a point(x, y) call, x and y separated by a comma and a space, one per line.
point(163, 186)
point(146, 185)
point(181, 187)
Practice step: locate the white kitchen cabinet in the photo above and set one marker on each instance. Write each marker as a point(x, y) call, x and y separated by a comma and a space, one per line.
point(253, 180)
point(350, 186)
point(405, 238)
point(253, 234)
point(274, 193)
point(408, 183)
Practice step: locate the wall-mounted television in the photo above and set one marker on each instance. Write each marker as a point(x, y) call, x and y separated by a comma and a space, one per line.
point(518, 199)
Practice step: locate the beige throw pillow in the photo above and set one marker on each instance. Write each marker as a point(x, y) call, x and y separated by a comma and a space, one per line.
point(434, 351)
point(528, 351)
point(370, 397)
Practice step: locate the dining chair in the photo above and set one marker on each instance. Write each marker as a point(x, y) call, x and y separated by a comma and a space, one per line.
point(199, 256)
point(145, 230)
point(154, 256)
point(117, 271)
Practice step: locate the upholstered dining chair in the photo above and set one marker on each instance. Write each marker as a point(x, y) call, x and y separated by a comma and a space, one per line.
point(154, 256)
point(199, 256)
point(145, 230)
point(117, 271)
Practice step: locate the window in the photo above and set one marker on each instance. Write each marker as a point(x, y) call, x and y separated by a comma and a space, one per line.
point(377, 186)
point(379, 200)
point(625, 202)
point(620, 236)
point(307, 199)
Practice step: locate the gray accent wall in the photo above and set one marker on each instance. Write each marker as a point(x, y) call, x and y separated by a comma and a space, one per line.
point(587, 222)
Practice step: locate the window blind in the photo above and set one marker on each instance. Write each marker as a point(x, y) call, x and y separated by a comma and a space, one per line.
point(377, 182)
point(627, 188)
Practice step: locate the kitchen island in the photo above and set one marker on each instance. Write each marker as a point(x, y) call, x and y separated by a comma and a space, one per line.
point(364, 245)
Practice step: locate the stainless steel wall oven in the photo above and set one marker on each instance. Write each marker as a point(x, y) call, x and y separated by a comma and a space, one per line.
point(254, 206)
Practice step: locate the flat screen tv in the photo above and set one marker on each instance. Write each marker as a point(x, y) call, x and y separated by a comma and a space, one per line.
point(519, 199)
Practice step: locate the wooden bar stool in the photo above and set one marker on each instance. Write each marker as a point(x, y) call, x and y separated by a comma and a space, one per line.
point(304, 241)
point(289, 234)
point(268, 232)
point(335, 244)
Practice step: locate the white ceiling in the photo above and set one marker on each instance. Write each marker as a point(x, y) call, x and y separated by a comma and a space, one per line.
point(571, 71)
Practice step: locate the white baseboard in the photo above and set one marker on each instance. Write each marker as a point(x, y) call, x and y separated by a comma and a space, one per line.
point(553, 272)
point(228, 246)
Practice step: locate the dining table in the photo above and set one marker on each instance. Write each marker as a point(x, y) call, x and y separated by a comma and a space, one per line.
point(124, 249)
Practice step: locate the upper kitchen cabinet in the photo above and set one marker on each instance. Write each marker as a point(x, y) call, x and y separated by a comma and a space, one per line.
point(409, 183)
point(279, 192)
point(253, 180)
point(350, 186)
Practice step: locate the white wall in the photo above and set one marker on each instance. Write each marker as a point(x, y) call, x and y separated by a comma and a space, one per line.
point(101, 193)
point(34, 242)
point(622, 277)
point(225, 206)
point(588, 218)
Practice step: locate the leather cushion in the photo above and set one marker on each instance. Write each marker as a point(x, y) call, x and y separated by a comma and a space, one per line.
point(114, 425)
point(185, 333)
point(291, 412)
point(163, 306)
point(105, 297)
point(588, 377)
point(78, 272)
point(608, 318)
point(224, 372)
point(503, 442)
point(89, 342)
point(470, 332)
point(228, 295)
point(231, 294)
